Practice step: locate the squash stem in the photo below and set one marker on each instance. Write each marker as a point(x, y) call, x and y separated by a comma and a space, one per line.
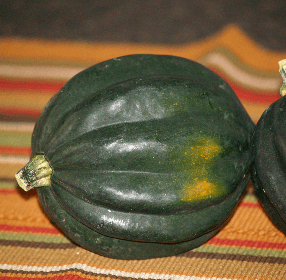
point(282, 70)
point(36, 173)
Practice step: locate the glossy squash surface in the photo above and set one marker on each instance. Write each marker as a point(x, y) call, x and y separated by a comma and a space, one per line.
point(141, 156)
point(269, 154)
point(269, 168)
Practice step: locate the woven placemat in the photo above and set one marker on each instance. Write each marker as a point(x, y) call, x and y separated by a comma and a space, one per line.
point(32, 71)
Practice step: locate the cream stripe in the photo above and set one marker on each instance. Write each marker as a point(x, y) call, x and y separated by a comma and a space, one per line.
point(17, 127)
point(234, 72)
point(114, 272)
point(14, 159)
point(39, 72)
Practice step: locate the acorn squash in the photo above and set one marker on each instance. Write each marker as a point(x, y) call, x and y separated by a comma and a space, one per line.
point(269, 154)
point(141, 156)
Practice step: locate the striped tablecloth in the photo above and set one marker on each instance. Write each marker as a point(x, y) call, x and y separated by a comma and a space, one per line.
point(32, 71)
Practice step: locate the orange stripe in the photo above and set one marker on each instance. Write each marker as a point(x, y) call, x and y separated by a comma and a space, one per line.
point(254, 109)
point(10, 150)
point(8, 170)
point(24, 99)
point(230, 37)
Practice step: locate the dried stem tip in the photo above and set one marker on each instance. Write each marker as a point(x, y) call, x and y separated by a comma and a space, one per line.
point(282, 70)
point(36, 173)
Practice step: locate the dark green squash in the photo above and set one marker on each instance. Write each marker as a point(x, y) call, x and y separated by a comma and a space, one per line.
point(141, 156)
point(269, 153)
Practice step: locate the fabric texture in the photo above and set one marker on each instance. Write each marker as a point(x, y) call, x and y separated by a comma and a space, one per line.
point(32, 71)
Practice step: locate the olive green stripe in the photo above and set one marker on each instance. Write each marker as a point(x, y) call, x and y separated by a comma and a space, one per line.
point(44, 62)
point(16, 139)
point(33, 237)
point(8, 184)
point(241, 251)
point(250, 198)
point(234, 257)
point(19, 119)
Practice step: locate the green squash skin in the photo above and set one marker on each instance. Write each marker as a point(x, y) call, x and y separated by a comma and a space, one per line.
point(126, 140)
point(120, 248)
point(151, 228)
point(100, 76)
point(269, 165)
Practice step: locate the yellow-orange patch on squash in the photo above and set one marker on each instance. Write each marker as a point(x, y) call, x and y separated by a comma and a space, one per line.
point(201, 189)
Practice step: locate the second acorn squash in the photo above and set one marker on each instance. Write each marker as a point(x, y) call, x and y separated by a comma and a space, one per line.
point(269, 168)
point(269, 157)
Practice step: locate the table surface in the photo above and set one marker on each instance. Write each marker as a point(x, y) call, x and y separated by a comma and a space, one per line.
point(33, 70)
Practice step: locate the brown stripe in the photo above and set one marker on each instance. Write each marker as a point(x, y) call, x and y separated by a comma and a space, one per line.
point(33, 244)
point(9, 180)
point(189, 254)
point(17, 118)
point(233, 257)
